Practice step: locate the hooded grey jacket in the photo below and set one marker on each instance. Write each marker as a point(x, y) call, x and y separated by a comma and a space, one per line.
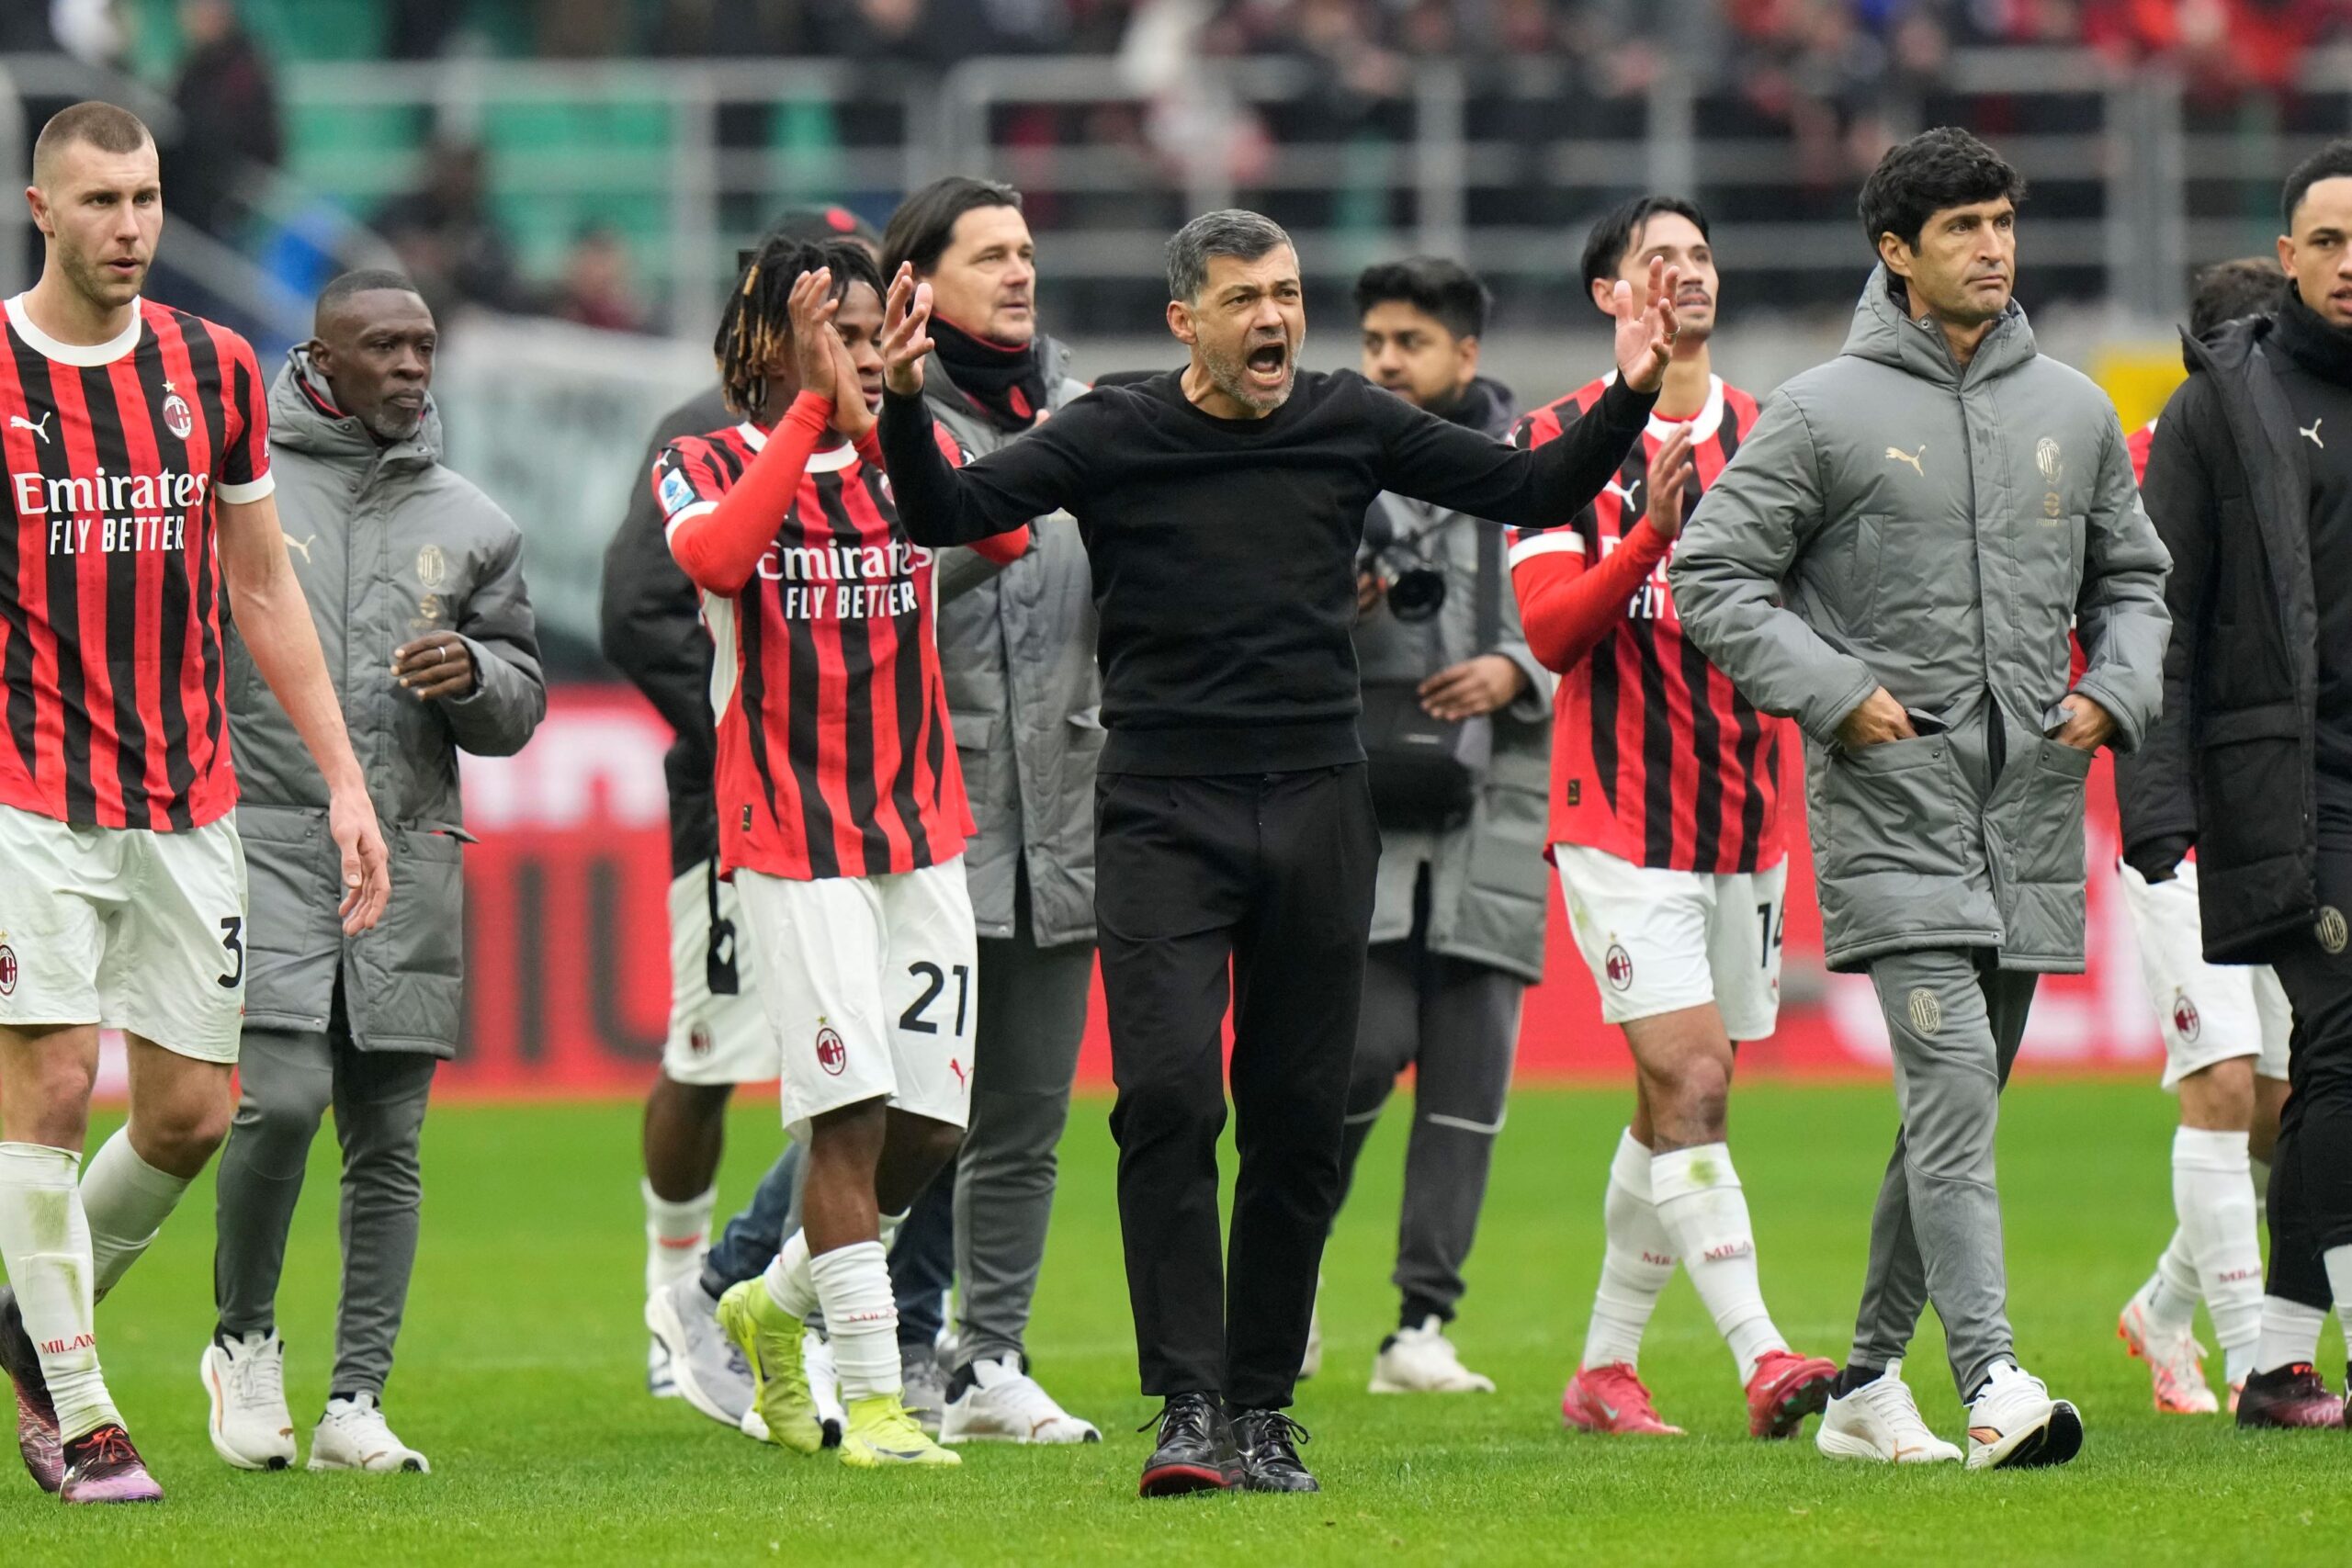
point(388, 544)
point(1488, 878)
point(1017, 646)
point(1896, 521)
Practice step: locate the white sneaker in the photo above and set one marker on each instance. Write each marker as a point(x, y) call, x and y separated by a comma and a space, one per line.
point(1312, 1361)
point(707, 1368)
point(245, 1380)
point(353, 1435)
point(824, 1385)
point(2016, 1424)
point(1880, 1421)
point(1005, 1405)
point(1421, 1360)
point(2176, 1361)
point(657, 1381)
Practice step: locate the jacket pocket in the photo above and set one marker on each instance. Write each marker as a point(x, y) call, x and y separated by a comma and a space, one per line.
point(975, 738)
point(1891, 808)
point(2046, 837)
point(1855, 570)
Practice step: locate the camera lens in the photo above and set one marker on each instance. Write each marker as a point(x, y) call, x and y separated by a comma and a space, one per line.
point(1415, 595)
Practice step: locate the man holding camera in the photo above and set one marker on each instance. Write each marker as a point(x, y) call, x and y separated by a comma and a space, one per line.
point(1457, 727)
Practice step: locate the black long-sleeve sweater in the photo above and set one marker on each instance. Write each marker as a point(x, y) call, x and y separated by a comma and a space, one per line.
point(1224, 550)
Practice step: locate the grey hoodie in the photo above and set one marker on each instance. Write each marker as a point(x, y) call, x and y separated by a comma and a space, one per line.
point(1895, 521)
point(388, 544)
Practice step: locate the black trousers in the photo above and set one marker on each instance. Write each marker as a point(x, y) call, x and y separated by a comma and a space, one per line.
point(1269, 878)
point(2311, 1170)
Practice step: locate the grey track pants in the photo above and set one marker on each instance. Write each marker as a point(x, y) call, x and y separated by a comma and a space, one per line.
point(1458, 1023)
point(1024, 1054)
point(1955, 1023)
point(287, 1078)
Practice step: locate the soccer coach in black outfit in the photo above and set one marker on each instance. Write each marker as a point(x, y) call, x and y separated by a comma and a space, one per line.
point(1222, 505)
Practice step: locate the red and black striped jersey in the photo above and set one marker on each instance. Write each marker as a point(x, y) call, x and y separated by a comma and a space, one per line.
point(1655, 758)
point(115, 456)
point(836, 757)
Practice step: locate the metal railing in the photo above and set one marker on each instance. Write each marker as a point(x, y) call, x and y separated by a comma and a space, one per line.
point(1440, 175)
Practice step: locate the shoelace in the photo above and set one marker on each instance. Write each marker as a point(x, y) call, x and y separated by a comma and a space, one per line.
point(1277, 1425)
point(1172, 1412)
point(109, 1445)
point(260, 1378)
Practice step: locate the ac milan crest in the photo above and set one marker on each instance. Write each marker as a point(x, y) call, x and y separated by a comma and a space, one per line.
point(1619, 965)
point(2185, 1021)
point(832, 1055)
point(7, 970)
point(698, 1041)
point(176, 418)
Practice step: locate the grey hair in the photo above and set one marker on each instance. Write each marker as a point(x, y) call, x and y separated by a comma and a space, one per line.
point(1233, 232)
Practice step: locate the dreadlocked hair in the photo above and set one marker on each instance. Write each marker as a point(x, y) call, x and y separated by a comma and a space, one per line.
point(757, 324)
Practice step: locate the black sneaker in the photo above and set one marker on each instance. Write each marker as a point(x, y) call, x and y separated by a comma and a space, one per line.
point(1196, 1451)
point(1270, 1460)
point(37, 1437)
point(2289, 1396)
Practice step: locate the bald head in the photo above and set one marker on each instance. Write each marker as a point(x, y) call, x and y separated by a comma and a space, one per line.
point(100, 127)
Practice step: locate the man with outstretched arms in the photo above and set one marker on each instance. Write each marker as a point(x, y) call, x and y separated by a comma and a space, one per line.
point(1222, 506)
point(842, 819)
point(134, 440)
point(1895, 559)
point(1666, 827)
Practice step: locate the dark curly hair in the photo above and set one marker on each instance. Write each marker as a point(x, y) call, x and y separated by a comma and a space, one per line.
point(758, 321)
point(1933, 172)
point(1620, 227)
point(2331, 162)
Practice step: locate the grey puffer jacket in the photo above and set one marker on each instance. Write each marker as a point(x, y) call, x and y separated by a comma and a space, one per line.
point(1895, 521)
point(388, 545)
point(1016, 644)
point(1488, 879)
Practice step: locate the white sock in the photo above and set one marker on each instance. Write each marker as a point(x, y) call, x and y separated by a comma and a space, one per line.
point(45, 1242)
point(676, 1235)
point(1701, 1205)
point(789, 1282)
point(861, 1317)
point(890, 1223)
point(1636, 1265)
point(2212, 1193)
point(2339, 1277)
point(2172, 1292)
point(127, 1202)
point(2260, 1170)
point(2290, 1334)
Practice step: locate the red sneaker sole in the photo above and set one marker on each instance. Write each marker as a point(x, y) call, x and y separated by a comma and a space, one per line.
point(1182, 1479)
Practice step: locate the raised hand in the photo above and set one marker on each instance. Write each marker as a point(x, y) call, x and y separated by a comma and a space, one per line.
point(906, 316)
point(852, 418)
point(1669, 471)
point(813, 306)
point(1647, 327)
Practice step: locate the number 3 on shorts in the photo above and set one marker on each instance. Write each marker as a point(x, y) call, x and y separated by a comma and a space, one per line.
point(232, 938)
point(935, 981)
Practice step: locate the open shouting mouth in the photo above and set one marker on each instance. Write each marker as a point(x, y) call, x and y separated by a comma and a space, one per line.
point(1267, 367)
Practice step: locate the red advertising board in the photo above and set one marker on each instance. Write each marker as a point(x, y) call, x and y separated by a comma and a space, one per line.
point(568, 957)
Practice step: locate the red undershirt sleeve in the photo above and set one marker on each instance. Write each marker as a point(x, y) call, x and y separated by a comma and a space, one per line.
point(720, 548)
point(1567, 607)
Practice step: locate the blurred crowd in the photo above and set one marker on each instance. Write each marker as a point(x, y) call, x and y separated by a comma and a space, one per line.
point(1833, 80)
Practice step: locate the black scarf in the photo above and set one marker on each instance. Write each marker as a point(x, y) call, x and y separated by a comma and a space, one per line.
point(2323, 350)
point(1005, 383)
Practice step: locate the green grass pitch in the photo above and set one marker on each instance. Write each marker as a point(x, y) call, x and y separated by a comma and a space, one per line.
point(521, 1374)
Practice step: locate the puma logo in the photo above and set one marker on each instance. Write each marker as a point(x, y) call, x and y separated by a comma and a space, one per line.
point(303, 545)
point(40, 428)
point(2311, 436)
point(1622, 492)
point(1897, 454)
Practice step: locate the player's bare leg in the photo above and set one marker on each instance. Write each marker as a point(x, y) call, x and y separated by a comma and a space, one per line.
point(1685, 1060)
point(866, 1165)
point(685, 1134)
point(2216, 1253)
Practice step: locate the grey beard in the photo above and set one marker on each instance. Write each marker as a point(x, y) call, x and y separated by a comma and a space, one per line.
point(1227, 377)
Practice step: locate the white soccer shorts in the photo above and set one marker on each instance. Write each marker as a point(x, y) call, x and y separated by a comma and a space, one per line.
point(2210, 1012)
point(714, 1038)
point(125, 928)
point(1659, 941)
point(872, 984)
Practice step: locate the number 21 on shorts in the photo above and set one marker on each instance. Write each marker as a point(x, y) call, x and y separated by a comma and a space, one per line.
point(932, 1008)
